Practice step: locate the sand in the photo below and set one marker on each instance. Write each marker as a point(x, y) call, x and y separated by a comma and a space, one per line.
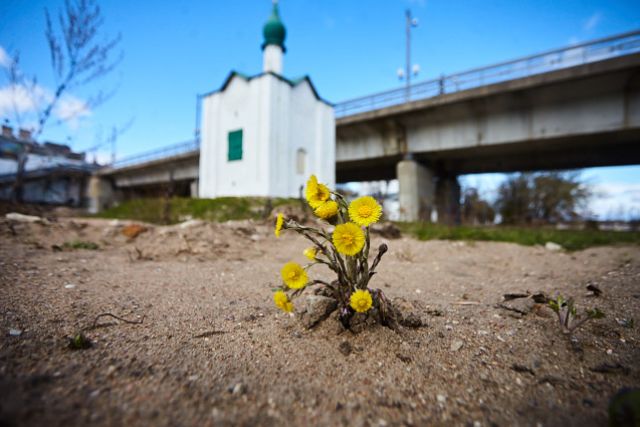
point(213, 350)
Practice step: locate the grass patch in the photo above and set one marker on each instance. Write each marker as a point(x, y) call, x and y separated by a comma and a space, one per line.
point(218, 210)
point(569, 239)
point(80, 244)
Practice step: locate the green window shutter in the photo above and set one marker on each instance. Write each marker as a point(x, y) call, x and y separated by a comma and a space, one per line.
point(235, 145)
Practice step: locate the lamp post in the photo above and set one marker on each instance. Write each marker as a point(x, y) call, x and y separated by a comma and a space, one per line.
point(410, 23)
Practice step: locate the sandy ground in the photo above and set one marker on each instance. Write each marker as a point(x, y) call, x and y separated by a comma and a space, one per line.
point(213, 350)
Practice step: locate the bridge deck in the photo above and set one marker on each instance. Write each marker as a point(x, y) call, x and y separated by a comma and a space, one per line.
point(579, 54)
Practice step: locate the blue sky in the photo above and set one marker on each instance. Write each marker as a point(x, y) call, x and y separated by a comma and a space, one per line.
point(175, 50)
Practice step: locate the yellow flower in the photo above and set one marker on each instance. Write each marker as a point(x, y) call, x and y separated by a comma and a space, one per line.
point(316, 193)
point(361, 301)
point(365, 211)
point(327, 209)
point(294, 276)
point(348, 238)
point(311, 253)
point(279, 222)
point(282, 301)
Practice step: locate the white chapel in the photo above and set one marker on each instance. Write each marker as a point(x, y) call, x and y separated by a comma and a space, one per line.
point(263, 135)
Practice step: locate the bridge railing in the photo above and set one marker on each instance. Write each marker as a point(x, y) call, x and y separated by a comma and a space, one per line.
point(593, 51)
point(160, 153)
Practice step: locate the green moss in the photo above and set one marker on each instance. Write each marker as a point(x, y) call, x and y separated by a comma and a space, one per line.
point(180, 208)
point(569, 239)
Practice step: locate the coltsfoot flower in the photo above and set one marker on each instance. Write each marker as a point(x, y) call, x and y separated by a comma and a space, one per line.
point(279, 222)
point(327, 209)
point(365, 211)
point(282, 301)
point(311, 253)
point(344, 250)
point(294, 276)
point(348, 238)
point(316, 193)
point(361, 301)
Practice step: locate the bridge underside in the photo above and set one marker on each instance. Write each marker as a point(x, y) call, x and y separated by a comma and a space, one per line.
point(584, 116)
point(617, 148)
point(170, 176)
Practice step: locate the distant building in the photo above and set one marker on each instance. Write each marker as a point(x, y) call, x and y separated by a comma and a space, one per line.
point(53, 174)
point(263, 135)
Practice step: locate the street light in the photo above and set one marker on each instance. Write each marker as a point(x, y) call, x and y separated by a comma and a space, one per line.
point(408, 71)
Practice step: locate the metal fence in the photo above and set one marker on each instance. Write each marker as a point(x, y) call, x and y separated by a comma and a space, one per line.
point(160, 153)
point(593, 51)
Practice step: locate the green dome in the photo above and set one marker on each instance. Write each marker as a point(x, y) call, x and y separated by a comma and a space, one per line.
point(274, 31)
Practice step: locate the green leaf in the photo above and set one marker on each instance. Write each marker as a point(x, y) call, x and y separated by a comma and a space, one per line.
point(595, 313)
point(79, 342)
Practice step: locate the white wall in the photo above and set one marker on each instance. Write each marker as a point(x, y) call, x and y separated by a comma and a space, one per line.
point(301, 121)
point(272, 59)
point(238, 107)
point(277, 120)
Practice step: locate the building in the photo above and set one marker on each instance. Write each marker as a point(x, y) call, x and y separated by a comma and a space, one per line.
point(51, 173)
point(263, 135)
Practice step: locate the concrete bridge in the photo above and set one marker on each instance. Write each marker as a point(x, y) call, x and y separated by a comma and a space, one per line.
point(568, 108)
point(171, 170)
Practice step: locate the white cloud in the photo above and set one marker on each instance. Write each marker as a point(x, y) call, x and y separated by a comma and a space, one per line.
point(592, 22)
point(615, 200)
point(21, 99)
point(71, 109)
point(26, 101)
point(5, 59)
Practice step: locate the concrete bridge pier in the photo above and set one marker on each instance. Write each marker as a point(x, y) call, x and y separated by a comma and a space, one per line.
point(193, 188)
point(101, 193)
point(422, 191)
point(448, 199)
point(417, 191)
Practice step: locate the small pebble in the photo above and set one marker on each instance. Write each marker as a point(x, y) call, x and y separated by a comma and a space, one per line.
point(456, 345)
point(69, 286)
point(238, 389)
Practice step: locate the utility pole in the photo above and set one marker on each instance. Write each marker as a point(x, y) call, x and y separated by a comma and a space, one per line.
point(410, 23)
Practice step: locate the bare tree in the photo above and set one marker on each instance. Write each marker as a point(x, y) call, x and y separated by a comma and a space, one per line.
point(476, 210)
point(79, 57)
point(542, 197)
